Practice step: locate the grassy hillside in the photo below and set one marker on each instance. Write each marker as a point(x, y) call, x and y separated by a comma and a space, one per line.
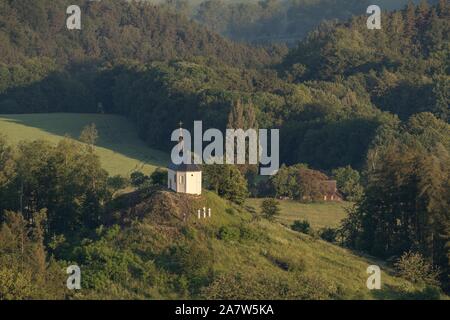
point(163, 250)
point(319, 215)
point(119, 148)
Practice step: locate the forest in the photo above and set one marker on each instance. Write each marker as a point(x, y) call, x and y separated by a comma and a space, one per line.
point(369, 108)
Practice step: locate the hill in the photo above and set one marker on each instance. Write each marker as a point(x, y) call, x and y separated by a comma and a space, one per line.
point(119, 147)
point(110, 30)
point(403, 66)
point(277, 21)
point(165, 251)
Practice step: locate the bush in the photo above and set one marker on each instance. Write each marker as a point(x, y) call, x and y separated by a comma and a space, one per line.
point(117, 182)
point(301, 226)
point(229, 233)
point(227, 181)
point(328, 234)
point(189, 232)
point(138, 179)
point(270, 208)
point(254, 286)
point(159, 177)
point(413, 267)
point(195, 262)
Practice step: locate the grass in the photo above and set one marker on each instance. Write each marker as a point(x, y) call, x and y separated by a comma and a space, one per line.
point(274, 263)
point(319, 215)
point(119, 147)
point(309, 258)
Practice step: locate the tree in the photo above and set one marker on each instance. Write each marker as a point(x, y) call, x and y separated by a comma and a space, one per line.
point(159, 177)
point(270, 208)
point(25, 271)
point(227, 181)
point(89, 135)
point(66, 179)
point(348, 182)
point(138, 179)
point(415, 268)
point(7, 162)
point(310, 185)
point(405, 205)
point(284, 183)
point(118, 182)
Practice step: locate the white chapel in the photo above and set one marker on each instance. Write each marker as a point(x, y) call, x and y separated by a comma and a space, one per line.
point(185, 178)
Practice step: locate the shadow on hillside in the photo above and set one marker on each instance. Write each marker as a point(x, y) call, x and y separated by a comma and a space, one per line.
point(116, 133)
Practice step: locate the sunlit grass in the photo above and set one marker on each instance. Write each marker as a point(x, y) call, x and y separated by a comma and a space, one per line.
point(319, 215)
point(119, 147)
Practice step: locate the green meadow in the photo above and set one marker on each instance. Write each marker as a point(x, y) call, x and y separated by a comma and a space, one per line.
point(319, 215)
point(119, 147)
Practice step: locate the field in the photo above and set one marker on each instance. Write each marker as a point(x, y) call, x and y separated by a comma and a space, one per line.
point(119, 147)
point(319, 215)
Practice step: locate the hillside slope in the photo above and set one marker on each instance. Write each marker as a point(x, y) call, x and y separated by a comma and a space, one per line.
point(161, 249)
point(119, 147)
point(110, 30)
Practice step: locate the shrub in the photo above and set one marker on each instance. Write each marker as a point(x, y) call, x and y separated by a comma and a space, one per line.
point(270, 208)
point(229, 233)
point(413, 267)
point(193, 261)
point(117, 182)
point(328, 234)
point(189, 232)
point(301, 226)
point(159, 177)
point(252, 286)
point(138, 179)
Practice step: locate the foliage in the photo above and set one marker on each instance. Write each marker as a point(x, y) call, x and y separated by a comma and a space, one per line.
point(301, 226)
point(118, 182)
point(138, 178)
point(159, 177)
point(414, 267)
point(229, 234)
point(328, 234)
point(348, 183)
point(25, 270)
point(405, 206)
point(131, 29)
point(299, 182)
point(66, 179)
point(227, 181)
point(270, 208)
